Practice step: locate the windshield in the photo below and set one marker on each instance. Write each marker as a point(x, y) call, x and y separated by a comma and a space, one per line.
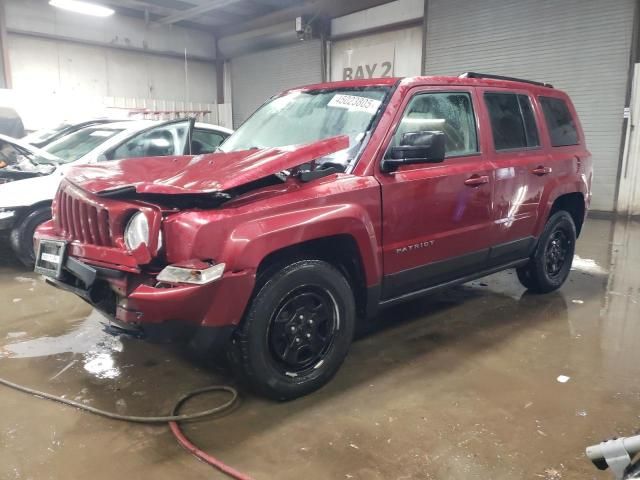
point(78, 144)
point(46, 134)
point(301, 117)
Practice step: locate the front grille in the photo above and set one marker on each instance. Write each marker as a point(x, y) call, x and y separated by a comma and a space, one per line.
point(82, 221)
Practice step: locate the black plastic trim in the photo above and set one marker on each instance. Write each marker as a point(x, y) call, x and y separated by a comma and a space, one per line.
point(516, 249)
point(82, 271)
point(432, 273)
point(425, 291)
point(443, 271)
point(374, 294)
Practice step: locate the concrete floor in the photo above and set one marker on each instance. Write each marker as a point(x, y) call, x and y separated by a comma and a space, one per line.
point(460, 385)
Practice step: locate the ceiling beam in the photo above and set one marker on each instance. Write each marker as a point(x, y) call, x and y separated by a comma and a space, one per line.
point(195, 11)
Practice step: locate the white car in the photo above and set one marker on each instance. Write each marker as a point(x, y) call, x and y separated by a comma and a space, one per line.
point(28, 184)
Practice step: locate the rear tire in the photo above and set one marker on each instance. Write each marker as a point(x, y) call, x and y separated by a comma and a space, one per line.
point(22, 235)
point(296, 331)
point(549, 267)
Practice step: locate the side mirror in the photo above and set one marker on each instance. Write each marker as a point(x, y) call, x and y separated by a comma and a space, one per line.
point(416, 147)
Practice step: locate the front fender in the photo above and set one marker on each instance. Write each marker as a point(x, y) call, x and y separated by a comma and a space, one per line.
point(249, 243)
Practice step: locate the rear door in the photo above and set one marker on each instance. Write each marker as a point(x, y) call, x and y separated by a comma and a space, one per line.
point(522, 168)
point(437, 218)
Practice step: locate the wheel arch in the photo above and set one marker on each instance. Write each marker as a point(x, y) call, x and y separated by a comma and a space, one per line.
point(27, 210)
point(572, 203)
point(570, 197)
point(340, 251)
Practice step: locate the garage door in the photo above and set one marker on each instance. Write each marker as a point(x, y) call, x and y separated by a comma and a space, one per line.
point(580, 46)
point(257, 76)
point(387, 54)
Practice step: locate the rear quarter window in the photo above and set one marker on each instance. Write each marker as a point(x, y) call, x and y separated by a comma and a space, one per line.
point(560, 122)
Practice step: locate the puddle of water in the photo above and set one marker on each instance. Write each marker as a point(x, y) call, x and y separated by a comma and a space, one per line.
point(101, 365)
point(88, 337)
point(587, 265)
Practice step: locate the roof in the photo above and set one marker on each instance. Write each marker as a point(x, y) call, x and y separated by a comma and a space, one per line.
point(426, 80)
point(134, 125)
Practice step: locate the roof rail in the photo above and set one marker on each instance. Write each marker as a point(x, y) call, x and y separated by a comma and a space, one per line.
point(500, 77)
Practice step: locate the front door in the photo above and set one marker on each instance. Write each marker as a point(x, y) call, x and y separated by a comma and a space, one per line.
point(437, 218)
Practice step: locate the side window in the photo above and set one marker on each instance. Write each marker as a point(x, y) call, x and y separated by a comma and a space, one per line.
point(158, 142)
point(562, 127)
point(451, 113)
point(205, 141)
point(512, 121)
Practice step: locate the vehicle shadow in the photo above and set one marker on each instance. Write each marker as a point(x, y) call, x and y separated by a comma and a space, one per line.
point(8, 259)
point(473, 319)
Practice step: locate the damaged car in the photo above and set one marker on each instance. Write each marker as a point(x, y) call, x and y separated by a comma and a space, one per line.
point(28, 186)
point(329, 203)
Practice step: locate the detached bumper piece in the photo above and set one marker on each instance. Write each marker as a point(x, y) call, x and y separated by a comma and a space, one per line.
point(196, 273)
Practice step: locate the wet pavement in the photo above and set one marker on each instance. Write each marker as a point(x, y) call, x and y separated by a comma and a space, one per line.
point(465, 384)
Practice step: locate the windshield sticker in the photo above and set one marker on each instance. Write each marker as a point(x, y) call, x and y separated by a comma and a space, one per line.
point(101, 133)
point(353, 102)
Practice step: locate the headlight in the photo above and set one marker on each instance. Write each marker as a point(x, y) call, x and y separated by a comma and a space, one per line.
point(137, 231)
point(6, 213)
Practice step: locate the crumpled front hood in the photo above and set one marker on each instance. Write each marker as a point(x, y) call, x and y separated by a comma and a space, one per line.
point(211, 173)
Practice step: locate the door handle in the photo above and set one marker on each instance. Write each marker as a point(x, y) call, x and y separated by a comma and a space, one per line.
point(540, 170)
point(476, 180)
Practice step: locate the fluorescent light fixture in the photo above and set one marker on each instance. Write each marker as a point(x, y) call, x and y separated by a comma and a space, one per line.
point(85, 8)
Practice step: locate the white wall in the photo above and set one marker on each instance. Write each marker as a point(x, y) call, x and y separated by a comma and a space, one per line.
point(395, 53)
point(51, 66)
point(37, 16)
point(390, 13)
point(629, 193)
point(87, 62)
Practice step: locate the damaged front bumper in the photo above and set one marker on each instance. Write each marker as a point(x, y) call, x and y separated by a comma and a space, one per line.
point(141, 305)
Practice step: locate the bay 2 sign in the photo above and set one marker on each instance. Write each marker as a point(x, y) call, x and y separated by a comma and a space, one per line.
point(372, 61)
point(384, 69)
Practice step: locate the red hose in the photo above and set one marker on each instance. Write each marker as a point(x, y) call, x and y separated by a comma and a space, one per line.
point(206, 458)
point(190, 447)
point(172, 419)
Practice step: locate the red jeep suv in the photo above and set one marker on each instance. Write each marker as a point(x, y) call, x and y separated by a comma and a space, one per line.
point(330, 202)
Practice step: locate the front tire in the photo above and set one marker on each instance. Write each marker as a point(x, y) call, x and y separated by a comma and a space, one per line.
point(22, 235)
point(296, 332)
point(549, 267)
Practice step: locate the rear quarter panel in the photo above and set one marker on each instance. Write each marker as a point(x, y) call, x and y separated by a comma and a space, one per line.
point(572, 164)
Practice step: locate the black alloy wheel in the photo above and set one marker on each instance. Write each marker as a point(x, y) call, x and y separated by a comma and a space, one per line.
point(556, 253)
point(303, 328)
point(550, 264)
point(296, 331)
